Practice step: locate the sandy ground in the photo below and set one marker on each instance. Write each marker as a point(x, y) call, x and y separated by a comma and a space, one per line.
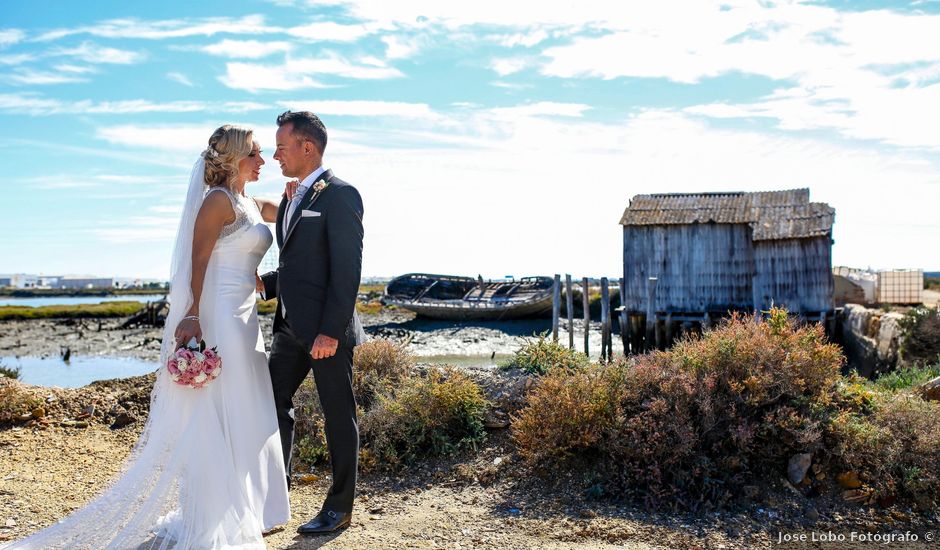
point(931, 298)
point(47, 473)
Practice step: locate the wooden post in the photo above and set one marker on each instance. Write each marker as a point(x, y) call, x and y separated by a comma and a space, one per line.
point(624, 333)
point(569, 305)
point(669, 334)
point(605, 320)
point(650, 313)
point(586, 301)
point(556, 306)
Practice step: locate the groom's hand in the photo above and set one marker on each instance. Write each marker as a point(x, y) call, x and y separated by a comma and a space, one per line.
point(324, 347)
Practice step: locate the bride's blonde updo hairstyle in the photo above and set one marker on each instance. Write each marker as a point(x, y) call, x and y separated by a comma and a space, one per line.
point(227, 145)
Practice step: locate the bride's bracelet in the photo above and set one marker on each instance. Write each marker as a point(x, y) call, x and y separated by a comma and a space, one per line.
point(191, 318)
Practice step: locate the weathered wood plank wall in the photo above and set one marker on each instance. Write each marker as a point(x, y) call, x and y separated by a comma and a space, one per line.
point(794, 273)
point(700, 267)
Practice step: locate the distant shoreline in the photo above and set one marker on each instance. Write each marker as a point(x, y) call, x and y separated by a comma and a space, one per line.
point(77, 292)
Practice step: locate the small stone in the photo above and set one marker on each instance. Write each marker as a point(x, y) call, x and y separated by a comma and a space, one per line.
point(11, 522)
point(376, 510)
point(812, 513)
point(123, 419)
point(849, 480)
point(587, 513)
point(497, 461)
point(798, 466)
point(73, 424)
point(930, 391)
point(307, 478)
point(821, 476)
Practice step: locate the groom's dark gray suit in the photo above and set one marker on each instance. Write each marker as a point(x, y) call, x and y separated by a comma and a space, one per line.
point(317, 282)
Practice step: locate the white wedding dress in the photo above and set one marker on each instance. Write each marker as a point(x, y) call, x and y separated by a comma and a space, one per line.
point(208, 471)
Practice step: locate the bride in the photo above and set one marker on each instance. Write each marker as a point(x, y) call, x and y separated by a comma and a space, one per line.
point(208, 470)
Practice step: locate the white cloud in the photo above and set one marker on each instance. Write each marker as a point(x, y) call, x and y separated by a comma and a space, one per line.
point(8, 37)
point(34, 77)
point(180, 78)
point(246, 49)
point(190, 138)
point(508, 66)
point(401, 47)
point(74, 69)
point(298, 73)
point(527, 39)
point(363, 108)
point(16, 59)
point(172, 28)
point(542, 108)
point(93, 53)
point(330, 32)
point(254, 77)
point(33, 104)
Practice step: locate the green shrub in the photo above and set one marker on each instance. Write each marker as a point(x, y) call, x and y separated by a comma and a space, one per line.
point(379, 367)
point(908, 377)
point(540, 355)
point(104, 309)
point(435, 415)
point(9, 372)
point(894, 445)
point(694, 424)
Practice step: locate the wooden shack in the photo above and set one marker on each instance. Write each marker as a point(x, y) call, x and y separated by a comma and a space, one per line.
point(689, 258)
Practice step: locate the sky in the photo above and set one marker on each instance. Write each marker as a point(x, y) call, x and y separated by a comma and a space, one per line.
point(487, 137)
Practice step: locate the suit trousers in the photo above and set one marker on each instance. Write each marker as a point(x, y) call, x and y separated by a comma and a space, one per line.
point(289, 364)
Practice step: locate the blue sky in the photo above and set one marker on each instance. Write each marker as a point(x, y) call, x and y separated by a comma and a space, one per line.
point(486, 137)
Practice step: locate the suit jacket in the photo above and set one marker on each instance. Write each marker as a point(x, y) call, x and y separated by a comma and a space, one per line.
point(317, 279)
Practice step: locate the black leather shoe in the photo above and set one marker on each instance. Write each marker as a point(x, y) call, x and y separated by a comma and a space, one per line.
point(327, 521)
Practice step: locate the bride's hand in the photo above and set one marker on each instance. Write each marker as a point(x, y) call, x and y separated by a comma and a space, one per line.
point(291, 188)
point(259, 284)
point(187, 330)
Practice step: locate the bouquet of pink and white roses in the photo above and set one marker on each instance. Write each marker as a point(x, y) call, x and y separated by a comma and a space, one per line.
point(194, 367)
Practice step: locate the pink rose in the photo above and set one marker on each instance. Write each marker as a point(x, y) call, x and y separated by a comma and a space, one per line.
point(173, 367)
point(186, 354)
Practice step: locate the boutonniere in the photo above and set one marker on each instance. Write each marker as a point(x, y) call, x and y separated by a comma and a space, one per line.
point(319, 186)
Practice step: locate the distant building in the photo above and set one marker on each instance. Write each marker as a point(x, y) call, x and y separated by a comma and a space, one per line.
point(712, 253)
point(84, 281)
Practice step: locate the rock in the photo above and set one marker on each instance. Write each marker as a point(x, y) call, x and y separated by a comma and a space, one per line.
point(858, 496)
point(304, 479)
point(497, 461)
point(887, 501)
point(587, 513)
point(123, 419)
point(496, 419)
point(849, 480)
point(812, 514)
point(73, 424)
point(11, 522)
point(798, 466)
point(930, 391)
point(376, 510)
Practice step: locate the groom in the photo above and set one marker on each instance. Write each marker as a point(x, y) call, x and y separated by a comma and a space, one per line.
point(319, 233)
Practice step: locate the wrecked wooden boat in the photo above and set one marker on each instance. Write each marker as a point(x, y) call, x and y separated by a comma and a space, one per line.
point(465, 298)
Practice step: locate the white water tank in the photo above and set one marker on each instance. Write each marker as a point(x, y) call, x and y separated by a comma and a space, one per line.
point(901, 286)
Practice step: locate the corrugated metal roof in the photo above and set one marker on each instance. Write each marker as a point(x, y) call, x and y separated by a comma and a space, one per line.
point(772, 214)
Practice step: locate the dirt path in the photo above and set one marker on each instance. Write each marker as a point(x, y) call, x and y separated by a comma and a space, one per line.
point(47, 473)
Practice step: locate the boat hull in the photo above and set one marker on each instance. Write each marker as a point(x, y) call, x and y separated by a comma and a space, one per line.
point(457, 298)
